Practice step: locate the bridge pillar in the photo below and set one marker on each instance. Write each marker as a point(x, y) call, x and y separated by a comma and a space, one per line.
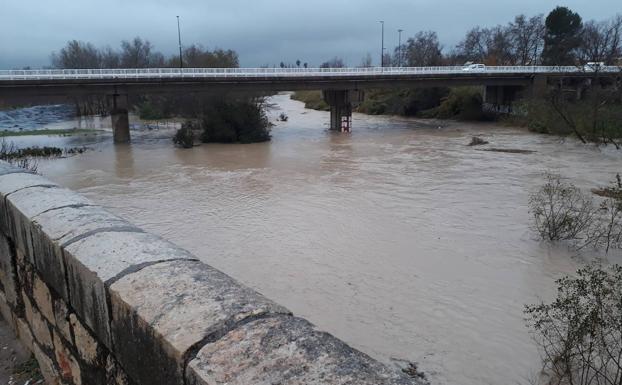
point(539, 87)
point(499, 99)
point(120, 119)
point(341, 102)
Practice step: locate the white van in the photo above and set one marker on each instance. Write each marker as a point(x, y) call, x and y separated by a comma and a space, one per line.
point(474, 67)
point(593, 66)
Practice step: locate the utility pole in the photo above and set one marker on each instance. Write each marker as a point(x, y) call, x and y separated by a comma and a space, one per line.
point(382, 50)
point(181, 62)
point(399, 48)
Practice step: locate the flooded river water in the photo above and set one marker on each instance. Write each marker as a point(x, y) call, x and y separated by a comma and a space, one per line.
point(397, 238)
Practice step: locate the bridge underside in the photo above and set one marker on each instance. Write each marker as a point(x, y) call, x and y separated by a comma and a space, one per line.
point(340, 92)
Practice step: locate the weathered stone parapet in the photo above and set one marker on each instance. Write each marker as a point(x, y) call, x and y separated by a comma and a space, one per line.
point(100, 301)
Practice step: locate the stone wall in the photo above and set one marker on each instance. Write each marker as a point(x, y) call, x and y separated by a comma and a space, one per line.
point(100, 301)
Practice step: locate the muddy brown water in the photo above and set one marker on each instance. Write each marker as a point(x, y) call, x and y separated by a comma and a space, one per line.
point(398, 238)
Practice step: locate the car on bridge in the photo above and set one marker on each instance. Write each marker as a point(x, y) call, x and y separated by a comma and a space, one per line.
point(593, 66)
point(474, 67)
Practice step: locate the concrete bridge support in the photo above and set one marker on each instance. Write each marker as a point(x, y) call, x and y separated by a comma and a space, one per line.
point(120, 119)
point(499, 99)
point(341, 103)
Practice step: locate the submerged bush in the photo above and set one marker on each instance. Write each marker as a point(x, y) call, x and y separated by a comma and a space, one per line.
point(312, 99)
point(408, 102)
point(184, 137)
point(11, 154)
point(238, 121)
point(562, 212)
point(463, 103)
point(580, 332)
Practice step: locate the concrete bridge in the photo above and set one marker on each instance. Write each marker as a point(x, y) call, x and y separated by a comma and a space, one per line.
point(342, 87)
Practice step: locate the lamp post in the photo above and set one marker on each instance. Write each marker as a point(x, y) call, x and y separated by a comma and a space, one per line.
point(181, 62)
point(399, 48)
point(382, 49)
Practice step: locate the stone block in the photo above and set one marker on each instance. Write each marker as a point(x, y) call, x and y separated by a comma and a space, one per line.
point(285, 350)
point(8, 275)
point(10, 183)
point(24, 334)
point(61, 317)
point(164, 311)
point(101, 258)
point(38, 325)
point(49, 372)
point(22, 207)
point(85, 342)
point(43, 299)
point(69, 369)
point(5, 310)
point(115, 374)
point(69, 224)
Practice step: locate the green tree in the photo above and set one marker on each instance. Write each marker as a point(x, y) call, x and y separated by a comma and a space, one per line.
point(562, 37)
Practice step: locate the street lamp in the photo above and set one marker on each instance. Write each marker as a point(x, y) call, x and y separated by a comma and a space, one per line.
point(399, 48)
point(181, 62)
point(382, 50)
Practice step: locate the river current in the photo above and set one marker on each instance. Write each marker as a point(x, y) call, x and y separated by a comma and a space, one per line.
point(398, 238)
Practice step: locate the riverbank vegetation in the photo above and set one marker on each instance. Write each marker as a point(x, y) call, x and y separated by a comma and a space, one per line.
point(312, 100)
point(26, 157)
point(591, 111)
point(595, 118)
point(227, 120)
point(579, 333)
point(58, 132)
point(562, 212)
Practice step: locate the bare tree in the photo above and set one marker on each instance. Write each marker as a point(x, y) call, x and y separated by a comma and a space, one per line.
point(527, 39)
point(601, 41)
point(474, 46)
point(366, 61)
point(199, 57)
point(77, 54)
point(109, 58)
point(422, 50)
point(136, 53)
point(335, 62)
point(499, 46)
point(560, 210)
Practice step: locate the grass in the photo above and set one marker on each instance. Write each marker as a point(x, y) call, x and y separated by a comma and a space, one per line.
point(312, 100)
point(62, 132)
point(28, 370)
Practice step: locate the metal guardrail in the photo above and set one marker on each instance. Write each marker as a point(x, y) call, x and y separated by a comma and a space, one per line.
point(76, 74)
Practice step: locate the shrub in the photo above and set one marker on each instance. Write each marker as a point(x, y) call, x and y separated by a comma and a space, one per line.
point(242, 121)
point(312, 100)
point(184, 137)
point(607, 233)
point(463, 103)
point(580, 332)
point(560, 210)
point(477, 141)
point(11, 154)
point(408, 102)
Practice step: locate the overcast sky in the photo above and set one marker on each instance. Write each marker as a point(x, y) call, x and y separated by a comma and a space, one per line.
point(261, 31)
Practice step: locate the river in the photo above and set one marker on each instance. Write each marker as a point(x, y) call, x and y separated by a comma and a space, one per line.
point(397, 238)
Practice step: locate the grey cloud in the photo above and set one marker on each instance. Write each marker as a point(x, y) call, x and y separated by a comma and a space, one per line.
point(262, 31)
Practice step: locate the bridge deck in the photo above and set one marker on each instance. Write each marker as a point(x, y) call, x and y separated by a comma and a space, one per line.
point(151, 80)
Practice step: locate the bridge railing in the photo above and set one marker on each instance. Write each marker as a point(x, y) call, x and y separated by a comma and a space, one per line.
point(134, 73)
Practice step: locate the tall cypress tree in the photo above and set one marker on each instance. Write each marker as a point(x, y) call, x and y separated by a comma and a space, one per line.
point(563, 37)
